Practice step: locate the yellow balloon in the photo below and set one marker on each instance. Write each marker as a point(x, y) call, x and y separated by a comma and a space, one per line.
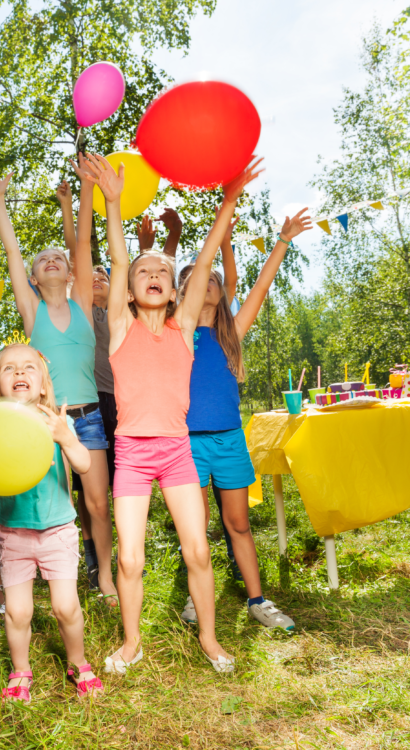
point(140, 185)
point(26, 448)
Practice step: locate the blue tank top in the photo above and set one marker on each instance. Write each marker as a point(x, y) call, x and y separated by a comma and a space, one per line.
point(214, 394)
point(71, 355)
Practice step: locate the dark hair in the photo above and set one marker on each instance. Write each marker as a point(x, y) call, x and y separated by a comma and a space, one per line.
point(171, 306)
point(224, 324)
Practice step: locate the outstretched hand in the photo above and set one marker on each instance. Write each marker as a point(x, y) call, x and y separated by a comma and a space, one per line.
point(296, 225)
point(82, 169)
point(171, 220)
point(57, 424)
point(5, 183)
point(233, 190)
point(146, 234)
point(63, 193)
point(231, 227)
point(110, 183)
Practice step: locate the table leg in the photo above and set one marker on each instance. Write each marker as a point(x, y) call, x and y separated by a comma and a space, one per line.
point(332, 574)
point(280, 514)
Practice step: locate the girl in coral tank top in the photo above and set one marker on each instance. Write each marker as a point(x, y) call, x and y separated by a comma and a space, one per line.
point(151, 355)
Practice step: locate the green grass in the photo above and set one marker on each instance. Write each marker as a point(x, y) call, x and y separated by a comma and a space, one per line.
point(342, 681)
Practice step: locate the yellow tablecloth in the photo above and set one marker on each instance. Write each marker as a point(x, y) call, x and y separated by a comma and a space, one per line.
point(351, 465)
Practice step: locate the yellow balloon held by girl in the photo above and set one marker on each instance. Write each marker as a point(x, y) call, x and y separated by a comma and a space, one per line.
point(26, 448)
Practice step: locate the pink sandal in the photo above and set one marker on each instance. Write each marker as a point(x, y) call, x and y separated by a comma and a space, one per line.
point(85, 686)
point(19, 692)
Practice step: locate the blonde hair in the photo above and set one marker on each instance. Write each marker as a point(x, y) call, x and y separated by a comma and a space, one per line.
point(47, 399)
point(171, 306)
point(54, 249)
point(224, 325)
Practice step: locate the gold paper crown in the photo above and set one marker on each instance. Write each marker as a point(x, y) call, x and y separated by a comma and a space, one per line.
point(18, 338)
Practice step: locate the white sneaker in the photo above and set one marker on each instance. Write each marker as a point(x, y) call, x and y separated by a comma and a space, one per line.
point(189, 614)
point(222, 664)
point(270, 616)
point(120, 665)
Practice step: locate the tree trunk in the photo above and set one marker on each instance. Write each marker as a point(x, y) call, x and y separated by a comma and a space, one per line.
point(95, 249)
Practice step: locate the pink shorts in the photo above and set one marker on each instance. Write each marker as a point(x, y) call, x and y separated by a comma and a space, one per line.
point(54, 551)
point(139, 460)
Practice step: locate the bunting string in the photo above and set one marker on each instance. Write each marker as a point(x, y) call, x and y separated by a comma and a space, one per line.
point(341, 215)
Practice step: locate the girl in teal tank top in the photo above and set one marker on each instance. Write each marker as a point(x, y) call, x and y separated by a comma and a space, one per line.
point(68, 352)
point(62, 329)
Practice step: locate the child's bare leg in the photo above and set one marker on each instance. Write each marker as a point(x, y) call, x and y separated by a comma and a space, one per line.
point(185, 503)
point(236, 519)
point(95, 485)
point(85, 518)
point(130, 519)
point(204, 491)
point(19, 613)
point(66, 607)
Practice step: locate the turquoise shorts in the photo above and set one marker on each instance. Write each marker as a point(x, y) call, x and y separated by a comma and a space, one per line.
point(225, 456)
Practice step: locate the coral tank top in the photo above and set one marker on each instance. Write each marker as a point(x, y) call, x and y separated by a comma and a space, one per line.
point(151, 382)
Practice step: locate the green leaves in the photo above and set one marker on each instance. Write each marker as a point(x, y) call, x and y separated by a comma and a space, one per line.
point(366, 293)
point(230, 704)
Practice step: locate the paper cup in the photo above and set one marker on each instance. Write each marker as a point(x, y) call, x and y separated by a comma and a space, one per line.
point(370, 387)
point(293, 401)
point(314, 391)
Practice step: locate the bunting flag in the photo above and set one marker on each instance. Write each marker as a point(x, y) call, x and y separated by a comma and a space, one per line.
point(343, 218)
point(323, 221)
point(324, 225)
point(260, 244)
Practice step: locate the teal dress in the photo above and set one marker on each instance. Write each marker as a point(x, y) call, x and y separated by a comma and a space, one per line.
point(71, 355)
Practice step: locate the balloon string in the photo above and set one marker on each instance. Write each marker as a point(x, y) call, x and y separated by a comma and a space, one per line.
point(77, 139)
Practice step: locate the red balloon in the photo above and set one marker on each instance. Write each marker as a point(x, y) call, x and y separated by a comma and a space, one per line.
point(199, 134)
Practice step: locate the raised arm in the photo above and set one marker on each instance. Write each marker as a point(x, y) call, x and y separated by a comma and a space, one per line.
point(253, 303)
point(82, 291)
point(65, 199)
point(146, 233)
point(173, 223)
point(228, 260)
point(188, 311)
point(26, 300)
point(112, 184)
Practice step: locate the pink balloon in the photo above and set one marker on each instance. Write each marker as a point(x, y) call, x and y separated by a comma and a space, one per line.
point(98, 93)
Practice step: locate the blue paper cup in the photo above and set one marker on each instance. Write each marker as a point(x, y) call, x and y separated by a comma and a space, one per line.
point(293, 401)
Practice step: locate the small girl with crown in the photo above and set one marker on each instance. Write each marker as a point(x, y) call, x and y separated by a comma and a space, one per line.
point(37, 529)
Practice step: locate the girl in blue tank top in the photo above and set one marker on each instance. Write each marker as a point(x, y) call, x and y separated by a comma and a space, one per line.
point(63, 330)
point(217, 439)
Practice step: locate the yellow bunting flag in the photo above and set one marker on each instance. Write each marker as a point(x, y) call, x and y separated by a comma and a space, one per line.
point(378, 205)
point(324, 225)
point(1, 287)
point(260, 244)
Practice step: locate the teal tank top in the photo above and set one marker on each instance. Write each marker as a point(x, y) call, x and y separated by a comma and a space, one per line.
point(71, 355)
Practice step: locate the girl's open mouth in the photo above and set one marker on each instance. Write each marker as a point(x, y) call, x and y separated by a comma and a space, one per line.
point(154, 289)
point(21, 386)
point(52, 268)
